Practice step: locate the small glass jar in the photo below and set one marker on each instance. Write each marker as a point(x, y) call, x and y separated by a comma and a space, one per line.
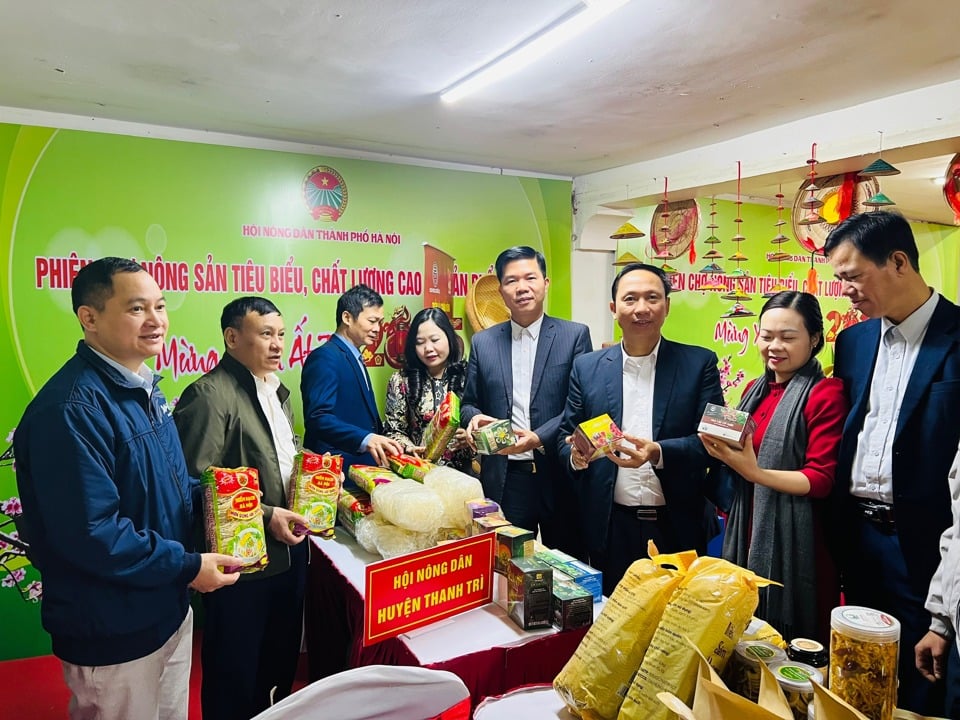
point(864, 647)
point(809, 652)
point(795, 681)
point(743, 671)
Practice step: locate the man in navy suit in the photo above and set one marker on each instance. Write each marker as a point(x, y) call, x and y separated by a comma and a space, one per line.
point(519, 370)
point(655, 391)
point(892, 499)
point(339, 408)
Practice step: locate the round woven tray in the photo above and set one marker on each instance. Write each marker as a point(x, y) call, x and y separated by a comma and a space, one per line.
point(485, 307)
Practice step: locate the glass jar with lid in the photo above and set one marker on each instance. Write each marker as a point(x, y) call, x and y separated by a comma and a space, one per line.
point(864, 647)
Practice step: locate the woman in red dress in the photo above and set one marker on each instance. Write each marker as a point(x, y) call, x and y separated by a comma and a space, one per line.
point(786, 470)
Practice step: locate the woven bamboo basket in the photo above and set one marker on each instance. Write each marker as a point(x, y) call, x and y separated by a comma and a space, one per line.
point(485, 307)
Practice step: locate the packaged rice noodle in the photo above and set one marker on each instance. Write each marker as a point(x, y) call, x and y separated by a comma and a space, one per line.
point(314, 490)
point(233, 516)
point(455, 489)
point(353, 506)
point(367, 477)
point(378, 536)
point(594, 681)
point(410, 466)
point(408, 505)
point(442, 427)
point(712, 606)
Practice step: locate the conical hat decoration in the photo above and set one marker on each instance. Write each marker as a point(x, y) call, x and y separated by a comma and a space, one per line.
point(673, 227)
point(812, 234)
point(951, 186)
point(484, 304)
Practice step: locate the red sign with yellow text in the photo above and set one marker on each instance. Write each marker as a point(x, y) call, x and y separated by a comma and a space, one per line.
point(410, 591)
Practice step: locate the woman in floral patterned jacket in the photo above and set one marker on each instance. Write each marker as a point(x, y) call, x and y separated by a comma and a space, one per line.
point(433, 366)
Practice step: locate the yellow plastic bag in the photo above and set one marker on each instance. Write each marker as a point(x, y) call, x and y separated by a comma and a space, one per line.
point(712, 606)
point(595, 679)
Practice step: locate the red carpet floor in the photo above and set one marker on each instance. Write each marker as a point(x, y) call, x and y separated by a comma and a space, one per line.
point(33, 689)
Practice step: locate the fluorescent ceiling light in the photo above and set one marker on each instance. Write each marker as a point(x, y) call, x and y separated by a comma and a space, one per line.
point(533, 48)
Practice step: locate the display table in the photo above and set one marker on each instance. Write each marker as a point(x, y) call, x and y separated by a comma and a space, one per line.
point(483, 646)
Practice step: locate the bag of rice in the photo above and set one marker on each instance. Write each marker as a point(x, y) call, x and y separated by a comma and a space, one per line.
point(593, 682)
point(443, 425)
point(314, 489)
point(408, 505)
point(367, 477)
point(352, 507)
point(711, 607)
point(233, 516)
point(409, 466)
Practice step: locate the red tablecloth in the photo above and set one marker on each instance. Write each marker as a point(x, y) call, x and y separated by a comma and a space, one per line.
point(482, 646)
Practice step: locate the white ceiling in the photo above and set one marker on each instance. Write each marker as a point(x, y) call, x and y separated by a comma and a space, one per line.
point(656, 77)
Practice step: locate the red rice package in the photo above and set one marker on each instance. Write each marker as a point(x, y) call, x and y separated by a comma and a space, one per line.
point(444, 423)
point(352, 508)
point(314, 490)
point(367, 477)
point(410, 466)
point(233, 516)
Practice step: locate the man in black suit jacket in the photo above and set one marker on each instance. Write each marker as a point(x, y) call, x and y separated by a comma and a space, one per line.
point(519, 370)
point(655, 390)
point(340, 411)
point(891, 499)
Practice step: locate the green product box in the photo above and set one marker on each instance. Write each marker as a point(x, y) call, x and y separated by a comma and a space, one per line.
point(512, 542)
point(554, 558)
point(493, 437)
point(590, 579)
point(572, 605)
point(529, 593)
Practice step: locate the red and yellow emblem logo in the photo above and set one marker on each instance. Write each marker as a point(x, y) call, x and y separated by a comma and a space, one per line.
point(325, 193)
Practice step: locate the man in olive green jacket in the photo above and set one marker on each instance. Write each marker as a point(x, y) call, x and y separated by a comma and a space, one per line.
point(238, 414)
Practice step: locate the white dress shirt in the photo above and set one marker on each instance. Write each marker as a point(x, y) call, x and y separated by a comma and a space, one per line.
point(523, 353)
point(279, 426)
point(638, 486)
point(872, 474)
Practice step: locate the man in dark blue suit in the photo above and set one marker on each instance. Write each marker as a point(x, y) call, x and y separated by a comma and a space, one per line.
point(519, 370)
point(892, 499)
point(339, 408)
point(655, 390)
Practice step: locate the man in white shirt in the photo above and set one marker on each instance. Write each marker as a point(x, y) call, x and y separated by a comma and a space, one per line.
point(901, 368)
point(655, 390)
point(238, 415)
point(519, 370)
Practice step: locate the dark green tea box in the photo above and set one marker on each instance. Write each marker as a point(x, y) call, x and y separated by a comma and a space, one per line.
point(529, 593)
point(572, 606)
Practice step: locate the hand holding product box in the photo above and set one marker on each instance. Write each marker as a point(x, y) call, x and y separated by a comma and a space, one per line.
point(727, 424)
point(597, 436)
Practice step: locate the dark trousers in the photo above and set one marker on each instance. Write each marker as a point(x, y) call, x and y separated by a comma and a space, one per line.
point(627, 542)
point(543, 501)
point(878, 579)
point(251, 641)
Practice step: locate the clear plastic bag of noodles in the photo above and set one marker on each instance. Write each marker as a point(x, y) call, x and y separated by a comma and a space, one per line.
point(380, 537)
point(455, 489)
point(233, 517)
point(593, 682)
point(712, 606)
point(408, 505)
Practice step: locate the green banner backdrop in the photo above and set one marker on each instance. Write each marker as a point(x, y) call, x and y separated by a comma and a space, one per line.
point(211, 223)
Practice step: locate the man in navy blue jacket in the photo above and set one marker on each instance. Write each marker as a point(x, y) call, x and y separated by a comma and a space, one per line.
point(655, 390)
point(340, 411)
point(108, 509)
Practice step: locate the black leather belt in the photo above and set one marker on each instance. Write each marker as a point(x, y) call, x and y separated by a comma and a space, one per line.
point(642, 512)
point(522, 466)
point(878, 514)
